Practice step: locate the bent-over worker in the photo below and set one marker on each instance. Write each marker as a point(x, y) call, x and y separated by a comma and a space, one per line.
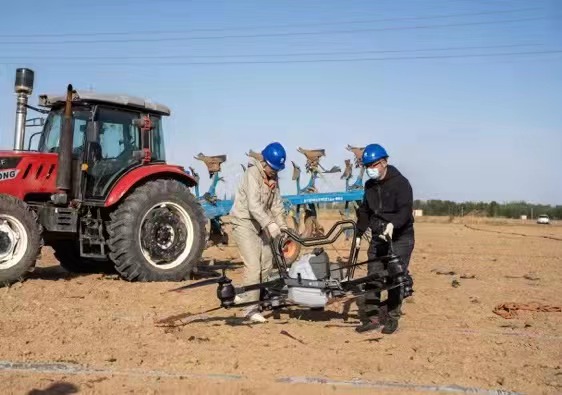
point(257, 216)
point(387, 209)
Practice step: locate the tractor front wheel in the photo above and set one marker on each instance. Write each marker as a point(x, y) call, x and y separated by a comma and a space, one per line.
point(157, 233)
point(20, 239)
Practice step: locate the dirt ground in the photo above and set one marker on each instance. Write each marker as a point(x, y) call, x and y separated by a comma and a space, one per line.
point(63, 333)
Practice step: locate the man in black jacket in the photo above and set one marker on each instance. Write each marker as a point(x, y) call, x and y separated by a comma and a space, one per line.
point(387, 209)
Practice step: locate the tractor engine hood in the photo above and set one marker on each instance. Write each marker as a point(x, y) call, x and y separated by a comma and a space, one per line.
point(12, 153)
point(25, 172)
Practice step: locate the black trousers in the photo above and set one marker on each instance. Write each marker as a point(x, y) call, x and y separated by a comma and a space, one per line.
point(403, 246)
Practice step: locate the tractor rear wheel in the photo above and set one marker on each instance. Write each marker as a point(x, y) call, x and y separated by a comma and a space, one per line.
point(157, 233)
point(67, 253)
point(20, 239)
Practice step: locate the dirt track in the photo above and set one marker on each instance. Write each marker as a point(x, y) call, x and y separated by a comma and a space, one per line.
point(101, 331)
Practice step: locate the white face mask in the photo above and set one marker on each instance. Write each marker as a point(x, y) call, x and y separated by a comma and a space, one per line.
point(373, 173)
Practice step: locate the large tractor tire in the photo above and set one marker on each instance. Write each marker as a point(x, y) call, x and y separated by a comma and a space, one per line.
point(157, 233)
point(20, 240)
point(67, 253)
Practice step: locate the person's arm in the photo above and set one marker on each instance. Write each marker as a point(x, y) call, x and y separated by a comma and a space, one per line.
point(405, 204)
point(255, 206)
point(363, 215)
point(278, 209)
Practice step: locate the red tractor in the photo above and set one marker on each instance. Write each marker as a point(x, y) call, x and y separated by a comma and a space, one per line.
point(97, 190)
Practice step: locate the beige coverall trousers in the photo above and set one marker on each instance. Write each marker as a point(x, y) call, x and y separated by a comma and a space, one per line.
point(256, 253)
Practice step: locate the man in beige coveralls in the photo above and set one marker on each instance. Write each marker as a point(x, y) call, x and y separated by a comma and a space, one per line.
point(257, 216)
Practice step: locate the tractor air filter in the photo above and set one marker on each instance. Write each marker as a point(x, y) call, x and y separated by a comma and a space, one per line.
point(24, 81)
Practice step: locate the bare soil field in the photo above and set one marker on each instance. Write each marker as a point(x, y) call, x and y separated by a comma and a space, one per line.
point(63, 333)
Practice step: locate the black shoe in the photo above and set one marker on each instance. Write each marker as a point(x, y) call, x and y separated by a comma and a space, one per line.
point(370, 325)
point(390, 326)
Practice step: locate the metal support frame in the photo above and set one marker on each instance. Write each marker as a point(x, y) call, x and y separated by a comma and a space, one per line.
point(308, 197)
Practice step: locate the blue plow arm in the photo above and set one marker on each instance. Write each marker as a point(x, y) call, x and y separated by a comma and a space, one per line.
point(222, 207)
point(218, 209)
point(327, 197)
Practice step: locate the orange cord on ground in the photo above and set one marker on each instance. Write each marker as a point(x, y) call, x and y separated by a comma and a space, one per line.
point(509, 310)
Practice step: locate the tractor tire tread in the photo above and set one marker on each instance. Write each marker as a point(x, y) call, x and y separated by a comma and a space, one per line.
point(123, 240)
point(35, 243)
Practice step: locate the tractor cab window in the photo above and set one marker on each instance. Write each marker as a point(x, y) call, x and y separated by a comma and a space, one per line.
point(118, 138)
point(53, 128)
point(158, 153)
point(115, 150)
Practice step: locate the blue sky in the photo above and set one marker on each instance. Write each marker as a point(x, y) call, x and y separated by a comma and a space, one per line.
point(460, 128)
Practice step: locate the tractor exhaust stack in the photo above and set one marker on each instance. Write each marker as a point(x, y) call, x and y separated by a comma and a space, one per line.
point(64, 171)
point(23, 88)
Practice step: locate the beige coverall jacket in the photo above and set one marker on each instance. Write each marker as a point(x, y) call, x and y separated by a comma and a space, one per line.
point(256, 205)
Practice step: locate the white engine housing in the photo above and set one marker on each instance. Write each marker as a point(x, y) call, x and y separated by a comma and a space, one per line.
point(309, 297)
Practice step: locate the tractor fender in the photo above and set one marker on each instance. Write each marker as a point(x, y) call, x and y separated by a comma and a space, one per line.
point(142, 174)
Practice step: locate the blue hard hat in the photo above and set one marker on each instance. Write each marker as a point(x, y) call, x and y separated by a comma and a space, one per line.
point(274, 155)
point(373, 153)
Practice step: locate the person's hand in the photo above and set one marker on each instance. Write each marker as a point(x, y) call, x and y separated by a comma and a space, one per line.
point(387, 234)
point(274, 230)
point(357, 242)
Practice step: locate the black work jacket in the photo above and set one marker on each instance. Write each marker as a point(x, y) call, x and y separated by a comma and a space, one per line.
point(384, 201)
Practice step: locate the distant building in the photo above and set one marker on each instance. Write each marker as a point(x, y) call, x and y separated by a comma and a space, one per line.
point(418, 213)
point(523, 217)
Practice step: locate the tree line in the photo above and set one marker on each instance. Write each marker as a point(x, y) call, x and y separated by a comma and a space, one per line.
point(436, 207)
point(488, 209)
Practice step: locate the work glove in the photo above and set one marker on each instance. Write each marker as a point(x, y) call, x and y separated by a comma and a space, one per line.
point(387, 234)
point(274, 230)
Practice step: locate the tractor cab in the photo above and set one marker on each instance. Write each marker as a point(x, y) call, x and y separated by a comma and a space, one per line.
point(109, 136)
